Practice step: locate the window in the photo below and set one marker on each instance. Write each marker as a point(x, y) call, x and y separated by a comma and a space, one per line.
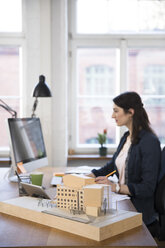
point(111, 54)
point(113, 16)
point(10, 16)
point(10, 61)
point(147, 76)
point(96, 72)
point(9, 85)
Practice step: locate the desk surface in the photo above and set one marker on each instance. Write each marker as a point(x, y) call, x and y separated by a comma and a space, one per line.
point(15, 232)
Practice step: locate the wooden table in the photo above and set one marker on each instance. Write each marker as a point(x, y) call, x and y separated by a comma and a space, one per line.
point(15, 232)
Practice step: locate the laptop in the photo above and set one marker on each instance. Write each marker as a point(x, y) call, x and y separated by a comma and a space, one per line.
point(38, 191)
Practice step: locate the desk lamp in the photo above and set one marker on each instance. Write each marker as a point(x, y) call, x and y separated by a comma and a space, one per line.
point(9, 109)
point(40, 90)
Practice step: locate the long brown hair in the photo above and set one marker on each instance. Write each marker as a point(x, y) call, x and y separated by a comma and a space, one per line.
point(132, 100)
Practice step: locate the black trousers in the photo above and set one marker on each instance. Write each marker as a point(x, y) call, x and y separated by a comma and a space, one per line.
point(154, 228)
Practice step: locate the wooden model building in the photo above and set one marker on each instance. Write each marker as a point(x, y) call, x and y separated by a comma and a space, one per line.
point(80, 193)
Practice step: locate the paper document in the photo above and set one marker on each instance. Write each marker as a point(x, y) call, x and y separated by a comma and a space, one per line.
point(56, 180)
point(119, 197)
point(113, 179)
point(82, 169)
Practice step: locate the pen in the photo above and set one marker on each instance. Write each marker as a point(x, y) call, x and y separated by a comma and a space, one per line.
point(111, 173)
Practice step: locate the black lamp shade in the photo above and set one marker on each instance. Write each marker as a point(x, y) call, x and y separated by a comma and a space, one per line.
point(41, 89)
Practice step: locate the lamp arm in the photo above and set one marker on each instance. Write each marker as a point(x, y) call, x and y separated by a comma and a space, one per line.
point(9, 109)
point(34, 107)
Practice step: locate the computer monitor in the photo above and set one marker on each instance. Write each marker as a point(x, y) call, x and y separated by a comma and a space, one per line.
point(27, 145)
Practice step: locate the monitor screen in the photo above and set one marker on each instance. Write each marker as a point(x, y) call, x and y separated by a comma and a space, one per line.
point(27, 143)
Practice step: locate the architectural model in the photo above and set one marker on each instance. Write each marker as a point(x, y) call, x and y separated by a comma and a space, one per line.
point(81, 209)
point(79, 193)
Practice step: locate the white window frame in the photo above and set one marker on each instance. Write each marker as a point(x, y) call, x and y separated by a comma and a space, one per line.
point(15, 39)
point(123, 42)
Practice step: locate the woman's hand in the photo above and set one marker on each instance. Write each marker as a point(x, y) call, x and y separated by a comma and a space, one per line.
point(104, 180)
point(90, 175)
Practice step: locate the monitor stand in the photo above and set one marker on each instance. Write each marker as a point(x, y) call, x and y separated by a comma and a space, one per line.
point(11, 174)
point(14, 178)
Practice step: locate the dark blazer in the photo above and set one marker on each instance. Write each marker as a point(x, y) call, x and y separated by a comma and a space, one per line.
point(143, 169)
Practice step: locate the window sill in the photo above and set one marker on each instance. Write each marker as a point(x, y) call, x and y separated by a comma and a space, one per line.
point(88, 157)
point(5, 162)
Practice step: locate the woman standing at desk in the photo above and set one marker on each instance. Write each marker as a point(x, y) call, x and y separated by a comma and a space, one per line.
point(137, 158)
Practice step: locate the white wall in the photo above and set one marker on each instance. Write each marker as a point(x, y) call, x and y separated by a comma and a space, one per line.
point(46, 53)
point(60, 84)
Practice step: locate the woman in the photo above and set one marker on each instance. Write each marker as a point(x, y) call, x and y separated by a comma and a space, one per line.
point(137, 158)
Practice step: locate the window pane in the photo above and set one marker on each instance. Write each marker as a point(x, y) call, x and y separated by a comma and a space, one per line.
point(109, 16)
point(9, 71)
point(4, 115)
point(9, 86)
point(10, 15)
point(97, 82)
point(146, 72)
point(94, 116)
point(156, 108)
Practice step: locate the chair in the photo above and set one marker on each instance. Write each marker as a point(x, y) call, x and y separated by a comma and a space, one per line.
point(162, 167)
point(160, 198)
